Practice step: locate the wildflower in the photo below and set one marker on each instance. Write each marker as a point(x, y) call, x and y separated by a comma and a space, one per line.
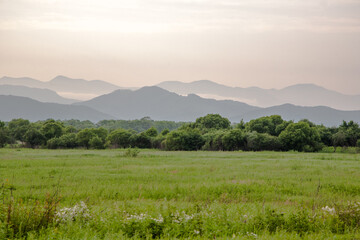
point(79, 211)
point(253, 235)
point(329, 210)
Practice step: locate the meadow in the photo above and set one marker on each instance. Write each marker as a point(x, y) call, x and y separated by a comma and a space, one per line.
point(109, 194)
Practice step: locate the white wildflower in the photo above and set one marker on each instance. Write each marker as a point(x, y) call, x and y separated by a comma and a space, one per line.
point(253, 235)
point(79, 211)
point(329, 210)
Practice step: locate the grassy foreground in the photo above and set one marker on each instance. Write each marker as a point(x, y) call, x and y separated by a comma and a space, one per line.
point(158, 194)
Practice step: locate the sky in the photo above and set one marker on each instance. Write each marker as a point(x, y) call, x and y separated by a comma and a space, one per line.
point(133, 43)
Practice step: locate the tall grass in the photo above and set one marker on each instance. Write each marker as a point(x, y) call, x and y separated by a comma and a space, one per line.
point(178, 195)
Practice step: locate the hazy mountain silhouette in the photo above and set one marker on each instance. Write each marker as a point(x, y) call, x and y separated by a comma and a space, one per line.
point(21, 107)
point(62, 84)
point(319, 114)
point(39, 94)
point(300, 94)
point(160, 104)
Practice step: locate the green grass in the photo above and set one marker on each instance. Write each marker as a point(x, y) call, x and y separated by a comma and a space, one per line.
point(224, 185)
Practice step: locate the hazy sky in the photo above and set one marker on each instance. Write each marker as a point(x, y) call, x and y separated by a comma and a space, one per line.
point(265, 43)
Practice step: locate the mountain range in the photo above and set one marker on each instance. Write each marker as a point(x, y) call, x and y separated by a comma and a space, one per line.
point(39, 94)
point(300, 94)
point(160, 104)
point(21, 107)
point(69, 87)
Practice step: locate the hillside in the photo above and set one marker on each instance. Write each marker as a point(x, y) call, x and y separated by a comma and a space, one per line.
point(300, 94)
point(20, 107)
point(39, 94)
point(64, 86)
point(160, 104)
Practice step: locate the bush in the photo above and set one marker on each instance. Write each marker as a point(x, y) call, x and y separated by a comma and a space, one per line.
point(213, 140)
point(140, 140)
point(131, 152)
point(300, 137)
point(68, 140)
point(119, 138)
point(96, 143)
point(54, 143)
point(233, 140)
point(262, 141)
point(187, 140)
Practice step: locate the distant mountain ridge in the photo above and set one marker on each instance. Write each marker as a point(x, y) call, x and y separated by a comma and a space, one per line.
point(39, 94)
point(21, 107)
point(64, 85)
point(300, 94)
point(160, 104)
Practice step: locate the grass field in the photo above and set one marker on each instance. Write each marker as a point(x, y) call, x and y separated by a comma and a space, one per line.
point(159, 194)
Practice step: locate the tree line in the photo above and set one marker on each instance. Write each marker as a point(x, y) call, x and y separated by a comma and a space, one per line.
point(211, 132)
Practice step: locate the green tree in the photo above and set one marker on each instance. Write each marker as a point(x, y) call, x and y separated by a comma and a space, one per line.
point(265, 125)
point(53, 143)
point(33, 137)
point(326, 135)
point(213, 140)
point(233, 140)
point(262, 141)
point(84, 136)
point(187, 140)
point(96, 143)
point(4, 134)
point(68, 140)
point(18, 128)
point(141, 140)
point(212, 121)
point(52, 129)
point(165, 132)
point(151, 132)
point(119, 138)
point(352, 132)
point(339, 139)
point(300, 137)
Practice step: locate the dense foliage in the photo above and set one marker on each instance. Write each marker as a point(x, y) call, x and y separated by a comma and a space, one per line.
point(211, 132)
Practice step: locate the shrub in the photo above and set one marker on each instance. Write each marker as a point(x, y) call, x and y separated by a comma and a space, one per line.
point(96, 143)
point(187, 140)
point(140, 140)
point(119, 138)
point(68, 140)
point(54, 143)
point(233, 140)
point(131, 152)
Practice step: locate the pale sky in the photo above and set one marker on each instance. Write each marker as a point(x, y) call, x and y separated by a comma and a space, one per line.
point(264, 43)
